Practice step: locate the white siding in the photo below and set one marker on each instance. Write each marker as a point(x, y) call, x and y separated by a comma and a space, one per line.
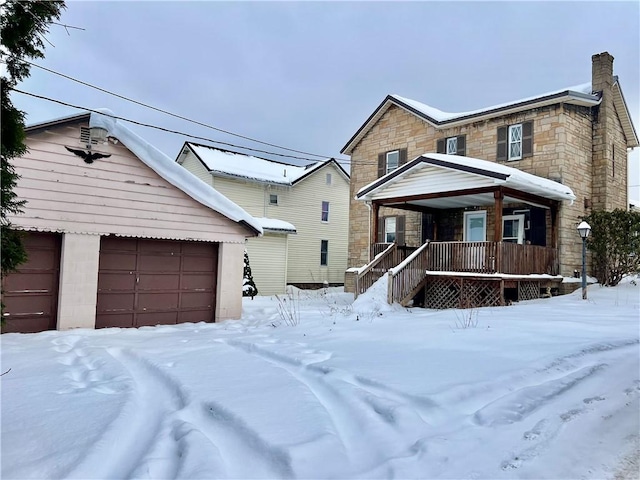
point(267, 257)
point(116, 195)
point(301, 205)
point(196, 167)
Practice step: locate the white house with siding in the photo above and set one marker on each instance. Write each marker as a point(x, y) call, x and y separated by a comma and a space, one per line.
point(124, 237)
point(312, 200)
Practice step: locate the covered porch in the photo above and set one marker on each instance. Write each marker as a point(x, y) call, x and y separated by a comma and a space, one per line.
point(479, 218)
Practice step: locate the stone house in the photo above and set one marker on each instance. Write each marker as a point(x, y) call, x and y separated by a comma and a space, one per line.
point(575, 137)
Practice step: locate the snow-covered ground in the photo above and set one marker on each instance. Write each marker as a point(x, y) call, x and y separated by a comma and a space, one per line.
point(331, 388)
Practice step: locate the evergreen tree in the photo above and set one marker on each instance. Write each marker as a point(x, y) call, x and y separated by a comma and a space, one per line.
point(615, 244)
point(22, 26)
point(249, 288)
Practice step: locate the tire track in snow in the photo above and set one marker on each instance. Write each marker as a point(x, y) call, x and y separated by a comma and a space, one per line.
point(130, 438)
point(360, 421)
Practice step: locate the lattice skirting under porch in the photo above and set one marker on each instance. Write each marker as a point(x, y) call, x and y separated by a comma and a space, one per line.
point(528, 290)
point(460, 292)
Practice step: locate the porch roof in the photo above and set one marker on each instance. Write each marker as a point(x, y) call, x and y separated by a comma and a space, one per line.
point(435, 180)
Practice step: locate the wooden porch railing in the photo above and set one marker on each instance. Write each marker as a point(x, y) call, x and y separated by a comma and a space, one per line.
point(384, 260)
point(408, 277)
point(492, 257)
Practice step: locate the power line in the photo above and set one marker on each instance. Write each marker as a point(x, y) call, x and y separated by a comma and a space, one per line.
point(42, 97)
point(170, 113)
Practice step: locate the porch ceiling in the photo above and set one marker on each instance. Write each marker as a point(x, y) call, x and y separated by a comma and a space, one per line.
point(450, 181)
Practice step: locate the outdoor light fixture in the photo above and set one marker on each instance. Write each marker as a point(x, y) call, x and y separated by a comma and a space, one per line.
point(98, 134)
point(584, 229)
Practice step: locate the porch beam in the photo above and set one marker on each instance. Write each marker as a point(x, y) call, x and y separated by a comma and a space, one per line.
point(529, 197)
point(429, 196)
point(498, 196)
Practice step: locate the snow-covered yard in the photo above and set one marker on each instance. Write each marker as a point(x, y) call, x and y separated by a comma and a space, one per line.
point(541, 389)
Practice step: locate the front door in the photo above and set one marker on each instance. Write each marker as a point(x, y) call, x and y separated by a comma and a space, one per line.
point(513, 229)
point(475, 226)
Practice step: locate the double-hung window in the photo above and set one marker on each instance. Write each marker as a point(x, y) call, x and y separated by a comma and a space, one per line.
point(452, 145)
point(391, 160)
point(324, 253)
point(389, 229)
point(273, 199)
point(515, 142)
point(325, 211)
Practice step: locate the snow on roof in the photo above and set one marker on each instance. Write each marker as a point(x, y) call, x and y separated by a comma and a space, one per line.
point(250, 167)
point(275, 225)
point(170, 171)
point(440, 116)
point(515, 178)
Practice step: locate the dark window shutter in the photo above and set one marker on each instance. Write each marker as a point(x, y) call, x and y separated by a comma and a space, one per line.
point(462, 145)
point(381, 238)
point(502, 143)
point(441, 146)
point(402, 156)
point(527, 139)
point(400, 230)
point(382, 167)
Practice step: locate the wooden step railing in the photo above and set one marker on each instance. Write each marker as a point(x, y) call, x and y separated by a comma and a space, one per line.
point(375, 269)
point(406, 279)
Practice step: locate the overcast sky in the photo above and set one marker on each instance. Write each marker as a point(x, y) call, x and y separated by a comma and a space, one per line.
point(307, 75)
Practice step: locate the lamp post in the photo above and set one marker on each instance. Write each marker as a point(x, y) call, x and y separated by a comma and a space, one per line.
point(584, 229)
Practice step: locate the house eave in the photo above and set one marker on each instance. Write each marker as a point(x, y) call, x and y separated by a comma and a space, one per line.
point(567, 96)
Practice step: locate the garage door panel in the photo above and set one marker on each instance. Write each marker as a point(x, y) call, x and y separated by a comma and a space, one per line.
point(157, 301)
point(118, 244)
point(156, 318)
point(199, 264)
point(114, 281)
point(164, 246)
point(31, 282)
point(30, 305)
point(157, 263)
point(41, 260)
point(196, 299)
point(123, 320)
point(197, 281)
point(117, 261)
point(27, 324)
point(158, 281)
point(195, 316)
point(115, 302)
point(197, 248)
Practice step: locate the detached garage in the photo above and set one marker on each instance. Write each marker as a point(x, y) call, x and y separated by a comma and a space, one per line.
point(118, 235)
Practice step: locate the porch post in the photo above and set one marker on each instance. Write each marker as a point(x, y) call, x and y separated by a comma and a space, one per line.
point(554, 226)
point(498, 195)
point(375, 208)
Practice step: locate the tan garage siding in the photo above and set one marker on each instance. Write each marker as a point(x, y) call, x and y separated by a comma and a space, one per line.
point(268, 260)
point(116, 195)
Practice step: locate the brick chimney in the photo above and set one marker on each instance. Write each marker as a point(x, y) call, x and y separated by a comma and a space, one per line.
point(603, 128)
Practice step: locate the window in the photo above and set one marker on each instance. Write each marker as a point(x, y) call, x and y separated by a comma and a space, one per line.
point(324, 252)
point(393, 158)
point(391, 229)
point(328, 179)
point(389, 161)
point(515, 142)
point(475, 226)
point(452, 145)
point(325, 211)
point(273, 199)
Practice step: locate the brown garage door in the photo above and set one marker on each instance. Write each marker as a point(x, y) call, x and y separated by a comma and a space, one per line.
point(155, 282)
point(30, 295)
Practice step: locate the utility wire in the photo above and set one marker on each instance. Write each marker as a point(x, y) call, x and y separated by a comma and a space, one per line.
point(170, 113)
point(42, 97)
